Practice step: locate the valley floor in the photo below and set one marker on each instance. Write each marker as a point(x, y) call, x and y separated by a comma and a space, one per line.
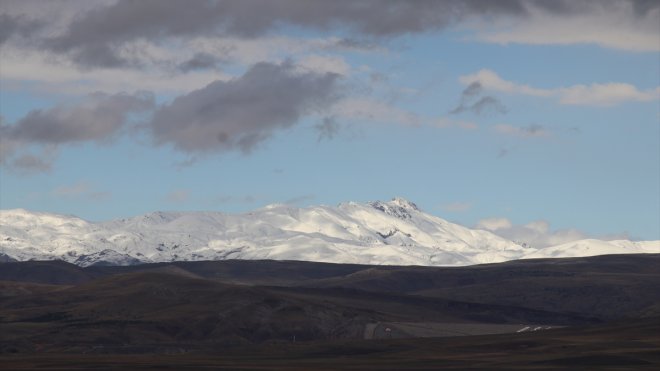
point(623, 345)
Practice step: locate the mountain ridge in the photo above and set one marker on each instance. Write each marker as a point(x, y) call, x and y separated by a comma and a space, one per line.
point(395, 232)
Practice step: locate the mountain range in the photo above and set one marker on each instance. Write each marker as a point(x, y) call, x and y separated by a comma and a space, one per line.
point(396, 232)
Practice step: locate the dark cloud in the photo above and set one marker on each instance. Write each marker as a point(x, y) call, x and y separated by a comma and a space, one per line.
point(94, 39)
point(225, 115)
point(16, 25)
point(7, 146)
point(97, 118)
point(356, 44)
point(8, 27)
point(484, 105)
point(243, 112)
point(327, 129)
point(23, 157)
point(96, 36)
point(128, 19)
point(487, 104)
point(472, 90)
point(565, 7)
point(200, 61)
point(642, 7)
point(30, 163)
point(101, 55)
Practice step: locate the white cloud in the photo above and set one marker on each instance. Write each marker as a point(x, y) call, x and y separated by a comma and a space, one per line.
point(492, 224)
point(324, 63)
point(536, 233)
point(613, 25)
point(606, 94)
point(490, 80)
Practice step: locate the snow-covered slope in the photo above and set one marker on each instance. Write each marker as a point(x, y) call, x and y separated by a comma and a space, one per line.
point(591, 247)
point(394, 232)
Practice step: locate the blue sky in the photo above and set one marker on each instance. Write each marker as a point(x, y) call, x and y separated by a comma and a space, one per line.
point(515, 116)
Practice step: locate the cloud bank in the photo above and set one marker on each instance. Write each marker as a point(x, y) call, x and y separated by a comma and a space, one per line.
point(175, 46)
point(104, 34)
point(537, 233)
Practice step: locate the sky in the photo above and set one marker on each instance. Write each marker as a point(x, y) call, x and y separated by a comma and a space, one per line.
point(537, 120)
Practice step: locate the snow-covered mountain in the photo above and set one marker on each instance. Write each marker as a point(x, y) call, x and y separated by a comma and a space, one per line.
point(394, 232)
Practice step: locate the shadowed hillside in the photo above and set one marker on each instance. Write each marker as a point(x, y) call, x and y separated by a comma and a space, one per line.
point(200, 308)
point(605, 287)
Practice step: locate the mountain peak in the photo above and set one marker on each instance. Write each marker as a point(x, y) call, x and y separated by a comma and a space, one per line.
point(402, 202)
point(398, 207)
